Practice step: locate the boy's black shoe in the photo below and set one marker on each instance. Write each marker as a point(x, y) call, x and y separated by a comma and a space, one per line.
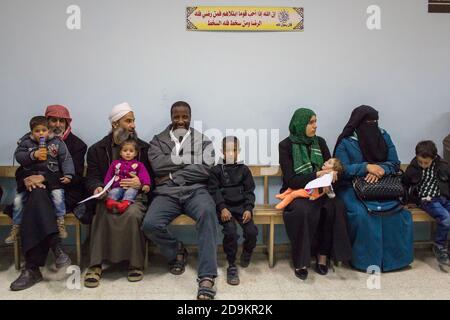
point(232, 275)
point(27, 279)
point(245, 259)
point(61, 258)
point(441, 254)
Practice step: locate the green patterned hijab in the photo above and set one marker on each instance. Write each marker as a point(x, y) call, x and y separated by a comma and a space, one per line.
point(304, 160)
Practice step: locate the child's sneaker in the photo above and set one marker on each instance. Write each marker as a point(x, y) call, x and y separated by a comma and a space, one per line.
point(111, 204)
point(61, 228)
point(13, 235)
point(232, 275)
point(441, 254)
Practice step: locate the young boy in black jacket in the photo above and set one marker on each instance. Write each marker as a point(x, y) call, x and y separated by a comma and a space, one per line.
point(427, 179)
point(232, 187)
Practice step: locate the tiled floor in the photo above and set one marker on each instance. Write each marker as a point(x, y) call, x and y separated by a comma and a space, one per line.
point(423, 280)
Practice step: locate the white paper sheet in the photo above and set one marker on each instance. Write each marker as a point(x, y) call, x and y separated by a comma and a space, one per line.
point(98, 195)
point(324, 181)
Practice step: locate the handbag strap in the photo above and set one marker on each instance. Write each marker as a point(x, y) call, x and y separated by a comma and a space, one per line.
point(379, 213)
point(384, 213)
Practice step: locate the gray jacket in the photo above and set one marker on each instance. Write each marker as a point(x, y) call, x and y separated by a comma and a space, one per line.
point(190, 170)
point(447, 148)
point(59, 159)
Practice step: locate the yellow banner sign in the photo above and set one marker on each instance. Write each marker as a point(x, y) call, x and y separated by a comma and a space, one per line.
point(244, 19)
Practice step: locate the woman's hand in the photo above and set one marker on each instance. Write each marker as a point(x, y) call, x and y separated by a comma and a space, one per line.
point(33, 182)
point(371, 178)
point(335, 176)
point(327, 171)
point(376, 170)
point(323, 172)
point(132, 182)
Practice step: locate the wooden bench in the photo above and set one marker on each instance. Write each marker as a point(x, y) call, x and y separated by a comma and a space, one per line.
point(265, 214)
point(5, 220)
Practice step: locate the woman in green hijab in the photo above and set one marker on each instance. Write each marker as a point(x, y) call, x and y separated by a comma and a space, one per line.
point(319, 227)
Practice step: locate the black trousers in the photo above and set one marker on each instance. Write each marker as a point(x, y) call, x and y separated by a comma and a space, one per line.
point(325, 232)
point(36, 257)
point(231, 236)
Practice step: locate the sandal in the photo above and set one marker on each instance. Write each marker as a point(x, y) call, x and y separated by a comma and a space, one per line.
point(232, 276)
point(178, 266)
point(92, 277)
point(135, 274)
point(206, 292)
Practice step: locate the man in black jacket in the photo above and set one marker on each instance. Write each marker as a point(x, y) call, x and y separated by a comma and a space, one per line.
point(427, 179)
point(232, 187)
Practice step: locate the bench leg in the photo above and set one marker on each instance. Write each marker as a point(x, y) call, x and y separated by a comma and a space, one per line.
point(78, 243)
point(271, 244)
point(433, 226)
point(17, 254)
point(265, 238)
point(146, 255)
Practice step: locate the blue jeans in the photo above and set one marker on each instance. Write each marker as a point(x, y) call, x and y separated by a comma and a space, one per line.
point(20, 199)
point(123, 194)
point(439, 209)
point(200, 207)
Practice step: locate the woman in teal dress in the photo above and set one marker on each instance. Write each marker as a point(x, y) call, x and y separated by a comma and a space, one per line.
point(367, 151)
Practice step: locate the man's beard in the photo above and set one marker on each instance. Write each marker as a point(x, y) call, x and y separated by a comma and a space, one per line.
point(58, 132)
point(120, 135)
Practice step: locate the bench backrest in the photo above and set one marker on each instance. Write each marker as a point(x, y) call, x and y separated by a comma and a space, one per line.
point(264, 172)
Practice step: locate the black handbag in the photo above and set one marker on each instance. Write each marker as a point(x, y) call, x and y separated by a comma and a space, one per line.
point(389, 187)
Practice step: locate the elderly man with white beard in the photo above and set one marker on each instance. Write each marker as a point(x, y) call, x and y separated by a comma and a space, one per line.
point(116, 237)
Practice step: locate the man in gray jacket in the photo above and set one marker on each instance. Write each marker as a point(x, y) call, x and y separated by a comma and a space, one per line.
point(447, 148)
point(181, 158)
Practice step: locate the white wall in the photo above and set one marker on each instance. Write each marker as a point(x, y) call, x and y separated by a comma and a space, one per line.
point(138, 51)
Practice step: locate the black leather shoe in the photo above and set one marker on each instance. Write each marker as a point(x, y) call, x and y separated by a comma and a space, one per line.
point(301, 273)
point(27, 279)
point(321, 269)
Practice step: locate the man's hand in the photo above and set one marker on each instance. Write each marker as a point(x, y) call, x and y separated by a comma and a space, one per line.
point(146, 189)
point(98, 190)
point(225, 215)
point(65, 180)
point(132, 182)
point(33, 182)
point(160, 180)
point(376, 170)
point(246, 217)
